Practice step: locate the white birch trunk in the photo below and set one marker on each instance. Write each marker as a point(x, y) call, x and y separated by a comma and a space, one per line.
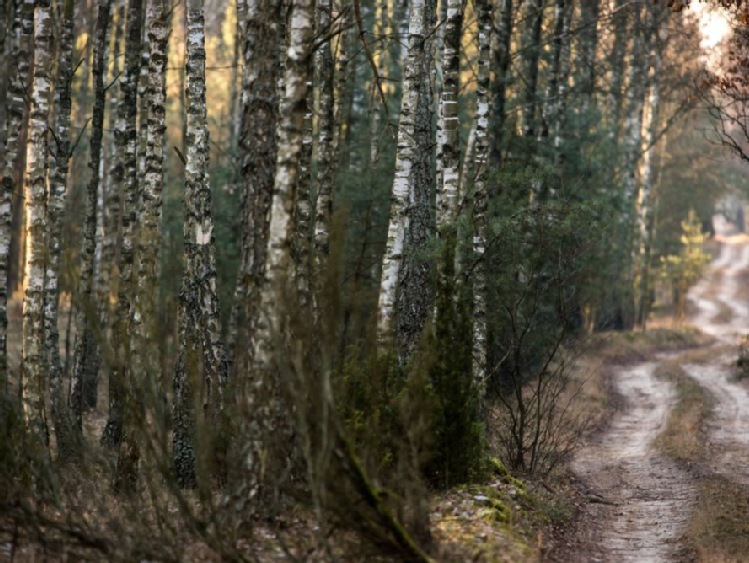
point(398, 223)
point(258, 150)
point(125, 180)
point(326, 133)
point(20, 42)
point(201, 342)
point(33, 376)
point(645, 209)
point(484, 15)
point(55, 208)
point(448, 128)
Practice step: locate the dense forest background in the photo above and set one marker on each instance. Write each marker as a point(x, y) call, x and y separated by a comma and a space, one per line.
point(340, 254)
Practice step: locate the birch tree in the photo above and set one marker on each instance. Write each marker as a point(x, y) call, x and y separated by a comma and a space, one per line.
point(110, 192)
point(415, 294)
point(325, 80)
point(33, 376)
point(20, 51)
point(276, 288)
point(202, 358)
point(144, 326)
point(125, 181)
point(402, 183)
point(448, 139)
point(258, 150)
point(651, 124)
point(84, 360)
point(484, 17)
point(64, 433)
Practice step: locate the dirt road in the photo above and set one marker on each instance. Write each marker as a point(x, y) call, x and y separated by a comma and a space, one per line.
point(639, 502)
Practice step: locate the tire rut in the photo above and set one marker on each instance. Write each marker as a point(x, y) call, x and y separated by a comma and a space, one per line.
point(649, 499)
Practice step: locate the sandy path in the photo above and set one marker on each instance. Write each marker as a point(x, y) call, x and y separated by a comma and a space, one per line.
point(728, 426)
point(640, 501)
point(650, 497)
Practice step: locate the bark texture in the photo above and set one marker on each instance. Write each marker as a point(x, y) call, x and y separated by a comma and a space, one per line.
point(325, 80)
point(415, 293)
point(20, 51)
point(258, 150)
point(484, 16)
point(125, 180)
point(645, 200)
point(398, 222)
point(448, 128)
point(65, 434)
point(278, 294)
point(33, 377)
point(201, 348)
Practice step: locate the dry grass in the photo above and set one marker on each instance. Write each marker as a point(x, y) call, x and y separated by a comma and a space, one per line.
point(683, 439)
point(718, 529)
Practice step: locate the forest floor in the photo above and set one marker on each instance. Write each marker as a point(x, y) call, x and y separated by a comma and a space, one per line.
point(666, 478)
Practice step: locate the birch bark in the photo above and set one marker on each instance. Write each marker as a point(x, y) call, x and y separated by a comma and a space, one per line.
point(484, 16)
point(200, 338)
point(645, 206)
point(448, 140)
point(20, 40)
point(414, 293)
point(64, 432)
point(33, 376)
point(325, 79)
point(272, 326)
point(125, 180)
point(258, 149)
point(144, 326)
point(111, 190)
point(398, 222)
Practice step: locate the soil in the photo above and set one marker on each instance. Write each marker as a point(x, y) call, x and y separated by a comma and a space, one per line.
point(634, 503)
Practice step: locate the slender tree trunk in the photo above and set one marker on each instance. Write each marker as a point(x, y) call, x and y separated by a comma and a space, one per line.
point(645, 206)
point(64, 432)
point(85, 362)
point(144, 326)
point(17, 254)
point(448, 140)
point(200, 326)
point(277, 287)
point(615, 97)
point(502, 76)
point(630, 156)
point(415, 295)
point(402, 183)
point(258, 150)
point(588, 48)
point(110, 218)
point(325, 80)
point(33, 376)
point(19, 58)
point(531, 43)
point(125, 179)
point(484, 15)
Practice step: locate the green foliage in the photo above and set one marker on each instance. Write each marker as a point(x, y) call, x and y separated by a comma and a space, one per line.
point(432, 399)
point(684, 269)
point(544, 270)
